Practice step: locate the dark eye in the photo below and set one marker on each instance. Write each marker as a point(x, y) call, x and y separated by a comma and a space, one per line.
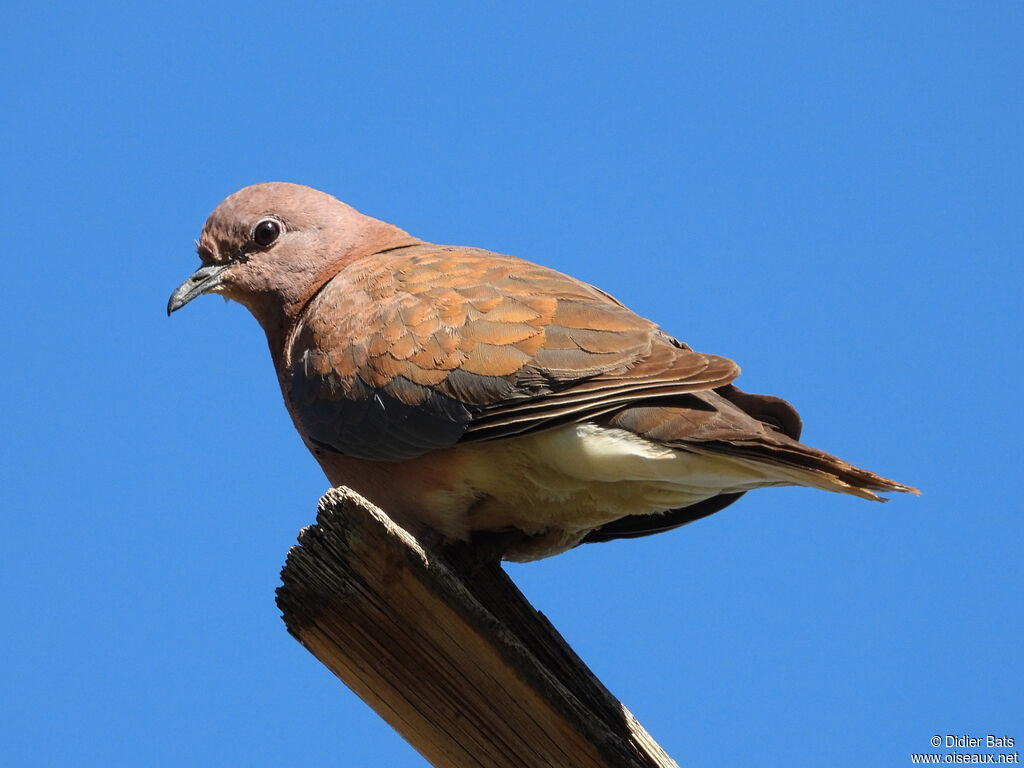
point(266, 232)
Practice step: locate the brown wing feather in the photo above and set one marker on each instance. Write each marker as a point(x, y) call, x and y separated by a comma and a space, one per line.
point(495, 345)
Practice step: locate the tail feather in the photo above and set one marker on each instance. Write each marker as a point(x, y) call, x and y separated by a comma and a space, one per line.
point(760, 432)
point(800, 464)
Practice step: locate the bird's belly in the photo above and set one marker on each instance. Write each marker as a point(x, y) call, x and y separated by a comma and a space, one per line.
point(555, 486)
point(561, 484)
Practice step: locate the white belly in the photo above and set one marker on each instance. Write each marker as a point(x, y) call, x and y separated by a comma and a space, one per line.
point(560, 484)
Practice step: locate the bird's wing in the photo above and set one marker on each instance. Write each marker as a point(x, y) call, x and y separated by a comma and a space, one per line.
point(424, 346)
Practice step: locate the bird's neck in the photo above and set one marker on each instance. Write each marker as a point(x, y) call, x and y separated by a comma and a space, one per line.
point(281, 321)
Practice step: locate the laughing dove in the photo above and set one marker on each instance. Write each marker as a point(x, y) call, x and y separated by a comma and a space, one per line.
point(463, 390)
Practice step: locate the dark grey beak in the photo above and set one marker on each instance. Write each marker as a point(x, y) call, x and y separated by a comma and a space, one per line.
point(198, 283)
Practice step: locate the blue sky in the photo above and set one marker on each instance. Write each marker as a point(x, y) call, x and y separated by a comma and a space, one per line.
point(828, 193)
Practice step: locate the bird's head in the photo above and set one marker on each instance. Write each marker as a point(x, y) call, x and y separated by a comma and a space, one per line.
point(271, 246)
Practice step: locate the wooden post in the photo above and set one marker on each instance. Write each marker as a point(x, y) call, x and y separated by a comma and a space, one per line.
point(447, 650)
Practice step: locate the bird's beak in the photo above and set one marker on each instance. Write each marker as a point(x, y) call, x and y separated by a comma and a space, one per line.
point(198, 283)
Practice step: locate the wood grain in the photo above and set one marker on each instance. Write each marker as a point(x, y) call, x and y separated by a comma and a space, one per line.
point(445, 648)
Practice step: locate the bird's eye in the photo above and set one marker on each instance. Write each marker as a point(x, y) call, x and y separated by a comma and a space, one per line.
point(266, 232)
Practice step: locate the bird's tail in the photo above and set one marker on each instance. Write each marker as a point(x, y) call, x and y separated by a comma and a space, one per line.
point(792, 463)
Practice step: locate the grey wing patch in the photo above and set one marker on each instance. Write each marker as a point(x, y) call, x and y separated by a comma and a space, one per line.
point(400, 421)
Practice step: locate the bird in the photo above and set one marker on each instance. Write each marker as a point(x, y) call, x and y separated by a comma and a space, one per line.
point(471, 393)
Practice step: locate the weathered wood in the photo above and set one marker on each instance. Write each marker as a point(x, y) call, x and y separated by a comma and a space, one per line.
point(448, 651)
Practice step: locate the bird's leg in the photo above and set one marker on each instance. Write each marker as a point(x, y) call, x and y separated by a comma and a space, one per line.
point(485, 549)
